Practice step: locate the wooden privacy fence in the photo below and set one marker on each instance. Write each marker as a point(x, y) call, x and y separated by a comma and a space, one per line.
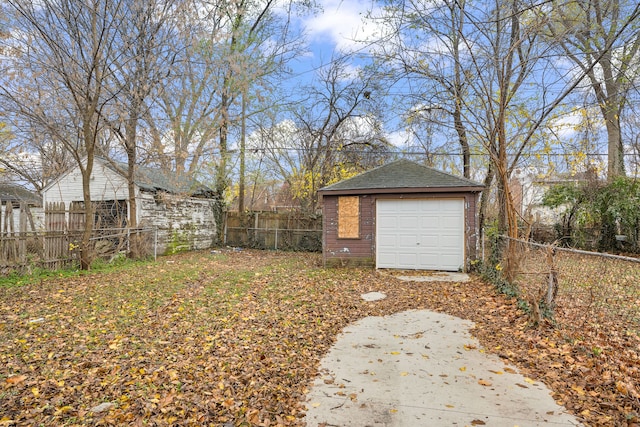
point(57, 245)
point(274, 230)
point(61, 234)
point(15, 244)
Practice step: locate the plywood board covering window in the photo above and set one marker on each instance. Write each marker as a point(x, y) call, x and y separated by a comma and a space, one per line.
point(348, 217)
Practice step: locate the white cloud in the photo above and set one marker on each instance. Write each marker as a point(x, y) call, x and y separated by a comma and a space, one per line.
point(342, 23)
point(399, 138)
point(573, 124)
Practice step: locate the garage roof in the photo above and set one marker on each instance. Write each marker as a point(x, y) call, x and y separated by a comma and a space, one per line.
point(403, 176)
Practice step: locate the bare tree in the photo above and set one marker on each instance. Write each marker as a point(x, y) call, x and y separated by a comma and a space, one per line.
point(60, 72)
point(143, 41)
point(489, 59)
point(601, 38)
point(229, 51)
point(424, 45)
point(334, 133)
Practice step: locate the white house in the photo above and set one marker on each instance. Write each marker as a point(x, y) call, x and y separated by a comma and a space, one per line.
point(528, 188)
point(180, 208)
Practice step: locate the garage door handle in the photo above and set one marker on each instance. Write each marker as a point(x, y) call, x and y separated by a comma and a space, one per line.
point(418, 243)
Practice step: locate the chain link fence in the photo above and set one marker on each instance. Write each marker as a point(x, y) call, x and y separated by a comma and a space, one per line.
point(576, 289)
point(274, 230)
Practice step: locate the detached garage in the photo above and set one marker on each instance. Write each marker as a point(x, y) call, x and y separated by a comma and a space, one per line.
point(401, 215)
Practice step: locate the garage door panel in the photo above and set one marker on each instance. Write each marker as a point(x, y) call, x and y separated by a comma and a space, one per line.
point(407, 241)
point(429, 221)
point(411, 221)
point(411, 206)
point(387, 259)
point(407, 260)
point(429, 261)
point(450, 222)
point(420, 234)
point(391, 220)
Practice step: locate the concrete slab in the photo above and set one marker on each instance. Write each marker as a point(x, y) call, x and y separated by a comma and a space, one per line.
point(436, 277)
point(421, 368)
point(373, 296)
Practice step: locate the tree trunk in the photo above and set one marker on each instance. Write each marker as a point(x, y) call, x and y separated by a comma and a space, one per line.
point(86, 249)
point(615, 165)
point(131, 128)
point(462, 138)
point(243, 135)
point(221, 171)
point(484, 199)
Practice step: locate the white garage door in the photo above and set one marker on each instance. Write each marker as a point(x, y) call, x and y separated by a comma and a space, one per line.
point(420, 234)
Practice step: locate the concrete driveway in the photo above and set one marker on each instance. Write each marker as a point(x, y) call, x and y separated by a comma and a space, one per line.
point(421, 368)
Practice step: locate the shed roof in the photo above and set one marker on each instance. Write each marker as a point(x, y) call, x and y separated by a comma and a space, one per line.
point(403, 176)
point(17, 193)
point(154, 179)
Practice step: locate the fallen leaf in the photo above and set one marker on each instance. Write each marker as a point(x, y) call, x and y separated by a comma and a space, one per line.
point(64, 410)
point(16, 379)
point(485, 383)
point(578, 390)
point(622, 387)
point(257, 339)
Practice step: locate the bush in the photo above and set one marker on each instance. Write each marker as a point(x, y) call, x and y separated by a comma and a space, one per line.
point(601, 216)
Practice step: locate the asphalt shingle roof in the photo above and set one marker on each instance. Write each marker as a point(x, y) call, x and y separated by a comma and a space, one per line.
point(404, 174)
point(153, 179)
point(16, 193)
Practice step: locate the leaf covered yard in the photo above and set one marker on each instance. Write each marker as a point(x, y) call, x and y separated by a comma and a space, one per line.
point(235, 338)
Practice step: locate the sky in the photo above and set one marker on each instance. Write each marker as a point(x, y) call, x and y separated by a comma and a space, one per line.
point(340, 29)
point(340, 25)
point(332, 33)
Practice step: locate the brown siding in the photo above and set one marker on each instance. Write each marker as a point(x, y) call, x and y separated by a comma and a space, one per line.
point(362, 251)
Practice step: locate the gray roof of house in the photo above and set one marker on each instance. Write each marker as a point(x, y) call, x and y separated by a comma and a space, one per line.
point(404, 175)
point(154, 179)
point(17, 193)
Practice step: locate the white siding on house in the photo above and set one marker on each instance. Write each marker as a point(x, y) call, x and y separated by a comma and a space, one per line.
point(105, 185)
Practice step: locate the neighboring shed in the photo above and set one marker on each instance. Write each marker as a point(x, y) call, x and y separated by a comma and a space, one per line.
point(181, 208)
point(17, 196)
point(401, 215)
